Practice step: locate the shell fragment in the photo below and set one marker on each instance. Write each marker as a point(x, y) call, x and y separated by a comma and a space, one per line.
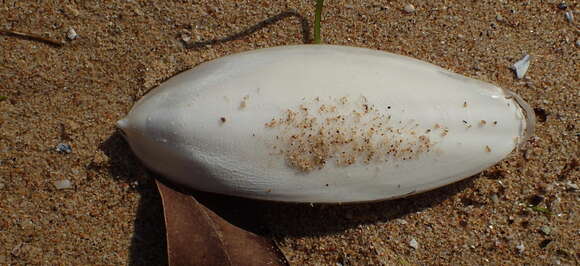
point(521, 66)
point(320, 123)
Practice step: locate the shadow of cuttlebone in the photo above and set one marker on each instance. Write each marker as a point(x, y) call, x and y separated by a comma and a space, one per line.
point(284, 219)
point(270, 219)
point(310, 220)
point(148, 240)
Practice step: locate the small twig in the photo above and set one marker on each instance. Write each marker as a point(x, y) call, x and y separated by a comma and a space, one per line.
point(252, 29)
point(32, 37)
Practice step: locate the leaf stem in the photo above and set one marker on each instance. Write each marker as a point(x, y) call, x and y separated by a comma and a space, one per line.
point(317, 18)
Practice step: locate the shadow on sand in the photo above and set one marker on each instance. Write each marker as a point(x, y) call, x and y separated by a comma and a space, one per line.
point(270, 219)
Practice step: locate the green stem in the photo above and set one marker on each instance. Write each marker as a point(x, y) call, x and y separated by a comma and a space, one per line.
point(317, 18)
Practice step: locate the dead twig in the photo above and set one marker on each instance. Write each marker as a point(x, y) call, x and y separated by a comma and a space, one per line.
point(262, 24)
point(32, 37)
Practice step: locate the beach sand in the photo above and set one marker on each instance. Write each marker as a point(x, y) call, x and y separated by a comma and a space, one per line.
point(111, 215)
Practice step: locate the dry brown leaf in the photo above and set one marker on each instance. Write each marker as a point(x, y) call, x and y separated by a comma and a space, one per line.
point(198, 236)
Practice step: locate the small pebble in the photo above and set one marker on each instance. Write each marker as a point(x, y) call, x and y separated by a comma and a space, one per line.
point(186, 37)
point(401, 221)
point(414, 244)
point(546, 188)
point(562, 6)
point(546, 229)
point(569, 16)
point(16, 250)
point(138, 11)
point(63, 184)
point(571, 186)
point(521, 248)
point(578, 42)
point(409, 8)
point(72, 34)
point(494, 198)
point(71, 11)
point(63, 147)
point(511, 219)
point(499, 18)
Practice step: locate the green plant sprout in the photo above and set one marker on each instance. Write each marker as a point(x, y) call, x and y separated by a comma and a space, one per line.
point(317, 18)
point(540, 209)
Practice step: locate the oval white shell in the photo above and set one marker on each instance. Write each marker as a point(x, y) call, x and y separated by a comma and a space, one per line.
point(320, 123)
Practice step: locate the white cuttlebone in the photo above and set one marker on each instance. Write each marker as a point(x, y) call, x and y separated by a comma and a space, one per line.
point(177, 129)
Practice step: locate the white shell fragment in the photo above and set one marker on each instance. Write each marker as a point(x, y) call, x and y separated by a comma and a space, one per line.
point(409, 8)
point(72, 34)
point(321, 123)
point(414, 244)
point(63, 184)
point(569, 16)
point(521, 66)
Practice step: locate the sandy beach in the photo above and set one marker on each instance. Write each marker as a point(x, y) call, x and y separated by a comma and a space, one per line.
point(72, 192)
